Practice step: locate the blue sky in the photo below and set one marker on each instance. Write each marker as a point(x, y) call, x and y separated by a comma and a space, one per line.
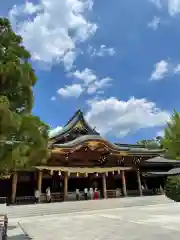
point(116, 60)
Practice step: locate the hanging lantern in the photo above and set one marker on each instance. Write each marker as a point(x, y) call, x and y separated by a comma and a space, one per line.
point(59, 173)
point(96, 174)
point(77, 174)
point(113, 173)
point(86, 174)
point(51, 172)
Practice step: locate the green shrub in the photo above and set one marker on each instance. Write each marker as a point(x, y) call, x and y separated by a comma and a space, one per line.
point(172, 188)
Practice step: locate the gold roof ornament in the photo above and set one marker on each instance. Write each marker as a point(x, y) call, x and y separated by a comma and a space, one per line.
point(93, 145)
point(79, 125)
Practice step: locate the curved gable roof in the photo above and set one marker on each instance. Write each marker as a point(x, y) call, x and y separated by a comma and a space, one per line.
point(77, 117)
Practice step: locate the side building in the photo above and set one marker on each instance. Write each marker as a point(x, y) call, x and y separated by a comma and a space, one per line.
point(82, 158)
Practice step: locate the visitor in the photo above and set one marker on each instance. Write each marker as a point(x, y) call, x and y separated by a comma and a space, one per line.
point(118, 192)
point(86, 193)
point(77, 194)
point(36, 196)
point(143, 188)
point(91, 192)
point(48, 195)
point(96, 195)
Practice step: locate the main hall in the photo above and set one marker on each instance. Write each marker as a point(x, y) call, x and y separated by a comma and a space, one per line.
point(81, 158)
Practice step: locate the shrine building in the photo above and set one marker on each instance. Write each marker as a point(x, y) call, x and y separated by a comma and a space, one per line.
point(81, 158)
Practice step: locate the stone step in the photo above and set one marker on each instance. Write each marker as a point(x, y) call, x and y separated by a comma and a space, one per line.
point(69, 207)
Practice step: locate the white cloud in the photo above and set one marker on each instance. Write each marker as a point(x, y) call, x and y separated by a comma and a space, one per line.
point(103, 51)
point(53, 29)
point(172, 6)
point(157, 3)
point(160, 70)
point(154, 23)
point(54, 131)
point(101, 84)
point(53, 98)
point(74, 90)
point(177, 69)
point(91, 82)
point(68, 60)
point(87, 76)
point(121, 118)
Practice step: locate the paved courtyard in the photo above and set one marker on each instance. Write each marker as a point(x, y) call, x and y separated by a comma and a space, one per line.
point(152, 221)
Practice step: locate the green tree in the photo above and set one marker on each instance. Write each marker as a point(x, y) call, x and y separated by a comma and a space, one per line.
point(171, 141)
point(23, 137)
point(155, 143)
point(172, 188)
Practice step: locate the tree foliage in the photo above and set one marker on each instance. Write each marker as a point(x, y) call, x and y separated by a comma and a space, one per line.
point(23, 137)
point(155, 143)
point(172, 188)
point(171, 141)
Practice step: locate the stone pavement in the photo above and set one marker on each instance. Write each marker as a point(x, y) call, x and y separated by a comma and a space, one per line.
point(147, 221)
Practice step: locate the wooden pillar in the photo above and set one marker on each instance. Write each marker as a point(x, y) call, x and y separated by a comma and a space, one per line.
point(124, 183)
point(14, 186)
point(104, 185)
point(139, 182)
point(39, 183)
point(65, 185)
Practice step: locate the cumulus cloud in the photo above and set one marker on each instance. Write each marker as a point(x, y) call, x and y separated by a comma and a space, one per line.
point(157, 3)
point(52, 29)
point(87, 76)
point(99, 84)
point(54, 131)
point(177, 69)
point(172, 6)
point(121, 118)
point(90, 80)
point(154, 23)
point(160, 70)
point(163, 69)
point(74, 90)
point(102, 51)
point(89, 83)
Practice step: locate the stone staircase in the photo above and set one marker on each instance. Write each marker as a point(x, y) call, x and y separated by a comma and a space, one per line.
point(80, 206)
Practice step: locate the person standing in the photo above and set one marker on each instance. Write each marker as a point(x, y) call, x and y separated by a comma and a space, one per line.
point(36, 196)
point(91, 193)
point(86, 193)
point(77, 194)
point(96, 195)
point(48, 194)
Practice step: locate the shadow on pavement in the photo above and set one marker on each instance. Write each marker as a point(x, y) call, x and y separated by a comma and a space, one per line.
point(19, 237)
